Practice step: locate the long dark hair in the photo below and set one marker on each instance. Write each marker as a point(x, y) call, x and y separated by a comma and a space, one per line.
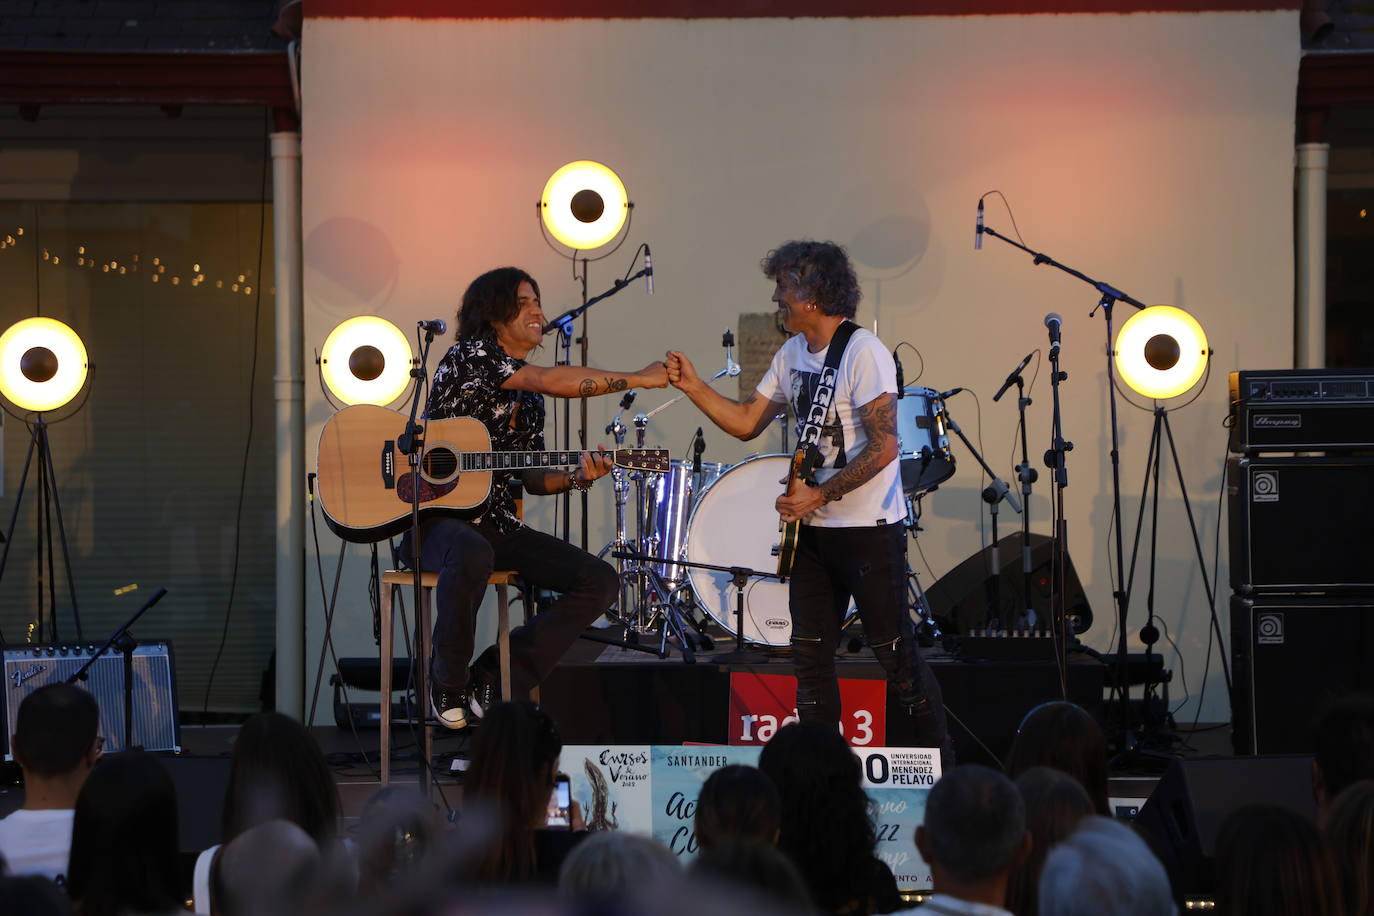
point(511, 771)
point(125, 854)
point(827, 825)
point(278, 771)
point(1271, 859)
point(1064, 737)
point(1055, 804)
point(490, 300)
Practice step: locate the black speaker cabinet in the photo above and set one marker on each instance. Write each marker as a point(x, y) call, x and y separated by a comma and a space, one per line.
point(1193, 797)
point(1301, 524)
point(155, 704)
point(962, 598)
point(1288, 656)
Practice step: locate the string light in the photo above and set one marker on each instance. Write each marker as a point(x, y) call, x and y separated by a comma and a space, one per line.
point(113, 266)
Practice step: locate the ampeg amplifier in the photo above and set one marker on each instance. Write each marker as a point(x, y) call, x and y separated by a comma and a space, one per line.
point(1298, 409)
point(1288, 656)
point(1301, 524)
point(155, 704)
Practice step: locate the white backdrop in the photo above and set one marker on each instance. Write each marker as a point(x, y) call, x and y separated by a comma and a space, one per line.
point(1150, 151)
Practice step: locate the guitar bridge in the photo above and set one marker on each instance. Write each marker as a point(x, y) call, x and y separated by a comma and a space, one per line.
point(389, 464)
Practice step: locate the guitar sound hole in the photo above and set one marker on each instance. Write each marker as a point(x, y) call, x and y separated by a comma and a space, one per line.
point(440, 464)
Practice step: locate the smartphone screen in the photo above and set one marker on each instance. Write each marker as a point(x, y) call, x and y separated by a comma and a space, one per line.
point(560, 804)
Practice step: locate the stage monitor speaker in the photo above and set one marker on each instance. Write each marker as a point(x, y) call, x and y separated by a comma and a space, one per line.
point(155, 725)
point(1288, 656)
point(1301, 524)
point(962, 597)
point(1194, 797)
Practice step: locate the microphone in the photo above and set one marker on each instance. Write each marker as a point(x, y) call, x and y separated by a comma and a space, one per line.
point(901, 380)
point(1011, 379)
point(949, 394)
point(1053, 321)
point(978, 230)
point(433, 326)
point(698, 446)
point(648, 271)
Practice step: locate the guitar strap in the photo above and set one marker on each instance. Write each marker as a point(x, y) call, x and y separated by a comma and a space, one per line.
point(823, 398)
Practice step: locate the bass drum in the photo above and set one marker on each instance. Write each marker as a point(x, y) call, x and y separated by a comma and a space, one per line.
point(734, 524)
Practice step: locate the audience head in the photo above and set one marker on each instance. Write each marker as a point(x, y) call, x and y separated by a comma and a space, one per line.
point(278, 771)
point(32, 895)
point(1104, 868)
point(974, 830)
point(737, 803)
point(1349, 827)
point(1065, 737)
point(1270, 859)
point(826, 827)
point(55, 731)
point(1055, 804)
point(611, 864)
point(398, 829)
point(1343, 744)
point(755, 867)
point(266, 869)
point(125, 855)
point(512, 768)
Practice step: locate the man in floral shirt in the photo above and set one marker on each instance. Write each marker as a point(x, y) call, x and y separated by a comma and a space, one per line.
point(484, 375)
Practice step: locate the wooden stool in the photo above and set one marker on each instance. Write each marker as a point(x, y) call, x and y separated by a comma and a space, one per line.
point(393, 579)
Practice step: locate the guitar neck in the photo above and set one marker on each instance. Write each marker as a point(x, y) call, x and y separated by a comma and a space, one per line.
point(507, 461)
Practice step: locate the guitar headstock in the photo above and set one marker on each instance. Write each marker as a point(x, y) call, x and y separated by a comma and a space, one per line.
point(656, 460)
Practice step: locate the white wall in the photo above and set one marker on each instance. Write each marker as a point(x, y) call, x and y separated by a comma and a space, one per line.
point(1150, 151)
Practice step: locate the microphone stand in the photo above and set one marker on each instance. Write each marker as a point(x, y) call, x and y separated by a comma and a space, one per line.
point(563, 324)
point(411, 444)
point(1054, 459)
point(1109, 297)
point(1027, 475)
point(124, 641)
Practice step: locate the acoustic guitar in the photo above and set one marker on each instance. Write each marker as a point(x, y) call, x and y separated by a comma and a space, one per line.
point(365, 484)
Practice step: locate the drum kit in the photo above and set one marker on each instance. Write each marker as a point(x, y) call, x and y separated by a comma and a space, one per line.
point(697, 525)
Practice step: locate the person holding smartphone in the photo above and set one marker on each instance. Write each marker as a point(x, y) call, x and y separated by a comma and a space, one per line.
point(514, 770)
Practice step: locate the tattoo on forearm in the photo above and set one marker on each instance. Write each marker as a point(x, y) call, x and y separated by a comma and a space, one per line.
point(587, 387)
point(616, 384)
point(879, 421)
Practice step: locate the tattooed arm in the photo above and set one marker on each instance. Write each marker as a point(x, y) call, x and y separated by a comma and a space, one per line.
point(582, 381)
point(879, 420)
point(741, 419)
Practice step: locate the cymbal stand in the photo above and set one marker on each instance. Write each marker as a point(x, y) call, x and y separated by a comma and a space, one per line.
point(626, 601)
point(917, 603)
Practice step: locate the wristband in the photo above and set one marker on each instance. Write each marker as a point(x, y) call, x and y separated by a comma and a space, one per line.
point(574, 484)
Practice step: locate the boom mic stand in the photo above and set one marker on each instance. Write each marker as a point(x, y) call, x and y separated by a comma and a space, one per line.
point(563, 325)
point(1027, 475)
point(124, 641)
point(1109, 297)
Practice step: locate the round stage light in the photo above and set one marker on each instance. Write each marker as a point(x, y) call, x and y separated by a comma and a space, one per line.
point(1161, 351)
point(42, 364)
point(366, 360)
point(584, 205)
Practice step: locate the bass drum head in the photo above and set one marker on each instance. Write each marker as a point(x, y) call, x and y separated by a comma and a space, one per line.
point(734, 524)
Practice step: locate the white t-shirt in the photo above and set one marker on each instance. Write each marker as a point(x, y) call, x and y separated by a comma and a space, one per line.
point(37, 842)
point(866, 372)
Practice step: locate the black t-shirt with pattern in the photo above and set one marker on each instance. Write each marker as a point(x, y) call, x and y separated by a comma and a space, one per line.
point(467, 383)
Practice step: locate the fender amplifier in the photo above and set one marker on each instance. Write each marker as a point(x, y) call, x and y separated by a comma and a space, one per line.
point(1301, 524)
point(155, 726)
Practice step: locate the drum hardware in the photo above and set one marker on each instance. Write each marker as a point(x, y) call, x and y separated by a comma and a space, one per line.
point(922, 440)
point(918, 606)
point(739, 578)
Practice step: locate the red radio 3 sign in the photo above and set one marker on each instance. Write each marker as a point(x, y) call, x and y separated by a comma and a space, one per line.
point(760, 704)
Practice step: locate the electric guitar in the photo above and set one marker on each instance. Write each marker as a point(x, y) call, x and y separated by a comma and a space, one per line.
point(365, 485)
point(799, 470)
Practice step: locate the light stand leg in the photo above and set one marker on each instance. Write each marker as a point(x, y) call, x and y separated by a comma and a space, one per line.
point(46, 454)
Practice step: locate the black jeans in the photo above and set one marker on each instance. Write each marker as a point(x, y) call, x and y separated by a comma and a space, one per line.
point(868, 564)
point(464, 556)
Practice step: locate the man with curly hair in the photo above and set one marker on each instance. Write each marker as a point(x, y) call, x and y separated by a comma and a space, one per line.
point(851, 541)
point(484, 375)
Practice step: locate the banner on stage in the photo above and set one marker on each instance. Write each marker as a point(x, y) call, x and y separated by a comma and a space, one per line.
point(652, 790)
point(760, 704)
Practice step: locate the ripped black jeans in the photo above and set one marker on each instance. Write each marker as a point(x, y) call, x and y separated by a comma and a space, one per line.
point(868, 564)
